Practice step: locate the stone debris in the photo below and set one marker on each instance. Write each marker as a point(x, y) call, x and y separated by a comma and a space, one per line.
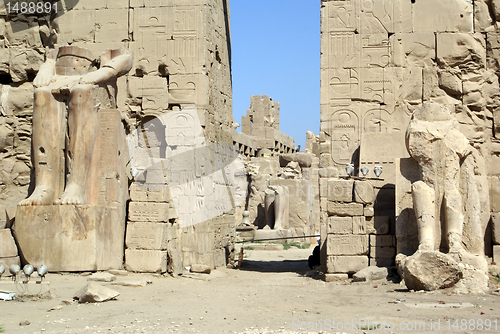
point(370, 273)
point(431, 271)
point(118, 272)
point(439, 305)
point(200, 268)
point(55, 308)
point(102, 277)
point(133, 283)
point(174, 263)
point(336, 277)
point(474, 281)
point(95, 293)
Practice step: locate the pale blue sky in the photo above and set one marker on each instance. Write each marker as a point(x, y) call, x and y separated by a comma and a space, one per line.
point(276, 52)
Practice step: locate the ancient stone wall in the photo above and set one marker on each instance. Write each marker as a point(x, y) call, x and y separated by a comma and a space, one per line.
point(181, 61)
point(262, 122)
point(380, 60)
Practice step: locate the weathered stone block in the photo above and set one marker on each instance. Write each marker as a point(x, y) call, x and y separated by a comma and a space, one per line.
point(323, 204)
point(454, 15)
point(336, 277)
point(382, 252)
point(495, 193)
point(303, 158)
point(328, 172)
point(345, 209)
point(368, 211)
point(382, 241)
point(153, 193)
point(346, 264)
point(340, 225)
point(455, 48)
point(495, 228)
point(496, 254)
point(146, 261)
point(323, 188)
point(8, 246)
point(431, 271)
point(78, 238)
point(142, 211)
point(381, 262)
point(273, 234)
point(371, 273)
point(340, 190)
point(364, 192)
point(147, 235)
point(347, 244)
point(359, 225)
point(378, 225)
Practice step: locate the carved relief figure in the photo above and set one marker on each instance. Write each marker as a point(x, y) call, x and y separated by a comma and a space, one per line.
point(71, 79)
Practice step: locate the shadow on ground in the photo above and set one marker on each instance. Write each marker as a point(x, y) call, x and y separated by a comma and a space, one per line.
point(296, 266)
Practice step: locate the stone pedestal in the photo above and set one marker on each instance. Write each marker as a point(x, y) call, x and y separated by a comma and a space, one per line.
point(273, 234)
point(70, 237)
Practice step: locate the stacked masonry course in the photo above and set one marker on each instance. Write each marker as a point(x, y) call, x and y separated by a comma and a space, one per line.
point(380, 60)
point(181, 59)
point(260, 130)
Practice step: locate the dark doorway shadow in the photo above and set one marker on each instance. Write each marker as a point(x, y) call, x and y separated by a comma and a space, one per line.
point(295, 266)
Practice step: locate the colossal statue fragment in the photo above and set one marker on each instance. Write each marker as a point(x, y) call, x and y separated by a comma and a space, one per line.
point(69, 76)
point(450, 202)
point(74, 220)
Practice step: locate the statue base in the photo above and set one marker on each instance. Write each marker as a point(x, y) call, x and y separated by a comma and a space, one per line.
point(273, 234)
point(70, 237)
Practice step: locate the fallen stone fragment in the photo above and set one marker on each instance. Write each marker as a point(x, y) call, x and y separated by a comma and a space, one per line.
point(68, 302)
point(95, 293)
point(55, 308)
point(370, 273)
point(431, 271)
point(439, 305)
point(132, 283)
point(474, 281)
point(200, 268)
point(102, 277)
point(174, 265)
point(118, 272)
point(24, 323)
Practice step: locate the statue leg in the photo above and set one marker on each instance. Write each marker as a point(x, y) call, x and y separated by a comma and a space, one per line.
point(424, 206)
point(269, 207)
point(46, 147)
point(281, 208)
point(82, 126)
point(453, 203)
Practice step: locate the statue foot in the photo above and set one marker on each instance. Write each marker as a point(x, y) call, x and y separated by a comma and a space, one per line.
point(71, 196)
point(477, 261)
point(41, 196)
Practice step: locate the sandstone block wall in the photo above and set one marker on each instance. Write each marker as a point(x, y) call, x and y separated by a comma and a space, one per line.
point(380, 59)
point(181, 59)
point(262, 123)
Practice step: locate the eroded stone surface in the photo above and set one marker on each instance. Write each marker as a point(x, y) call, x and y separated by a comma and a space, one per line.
point(95, 293)
point(370, 273)
point(431, 271)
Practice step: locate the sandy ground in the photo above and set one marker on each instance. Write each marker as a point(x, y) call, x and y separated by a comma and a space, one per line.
point(271, 293)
